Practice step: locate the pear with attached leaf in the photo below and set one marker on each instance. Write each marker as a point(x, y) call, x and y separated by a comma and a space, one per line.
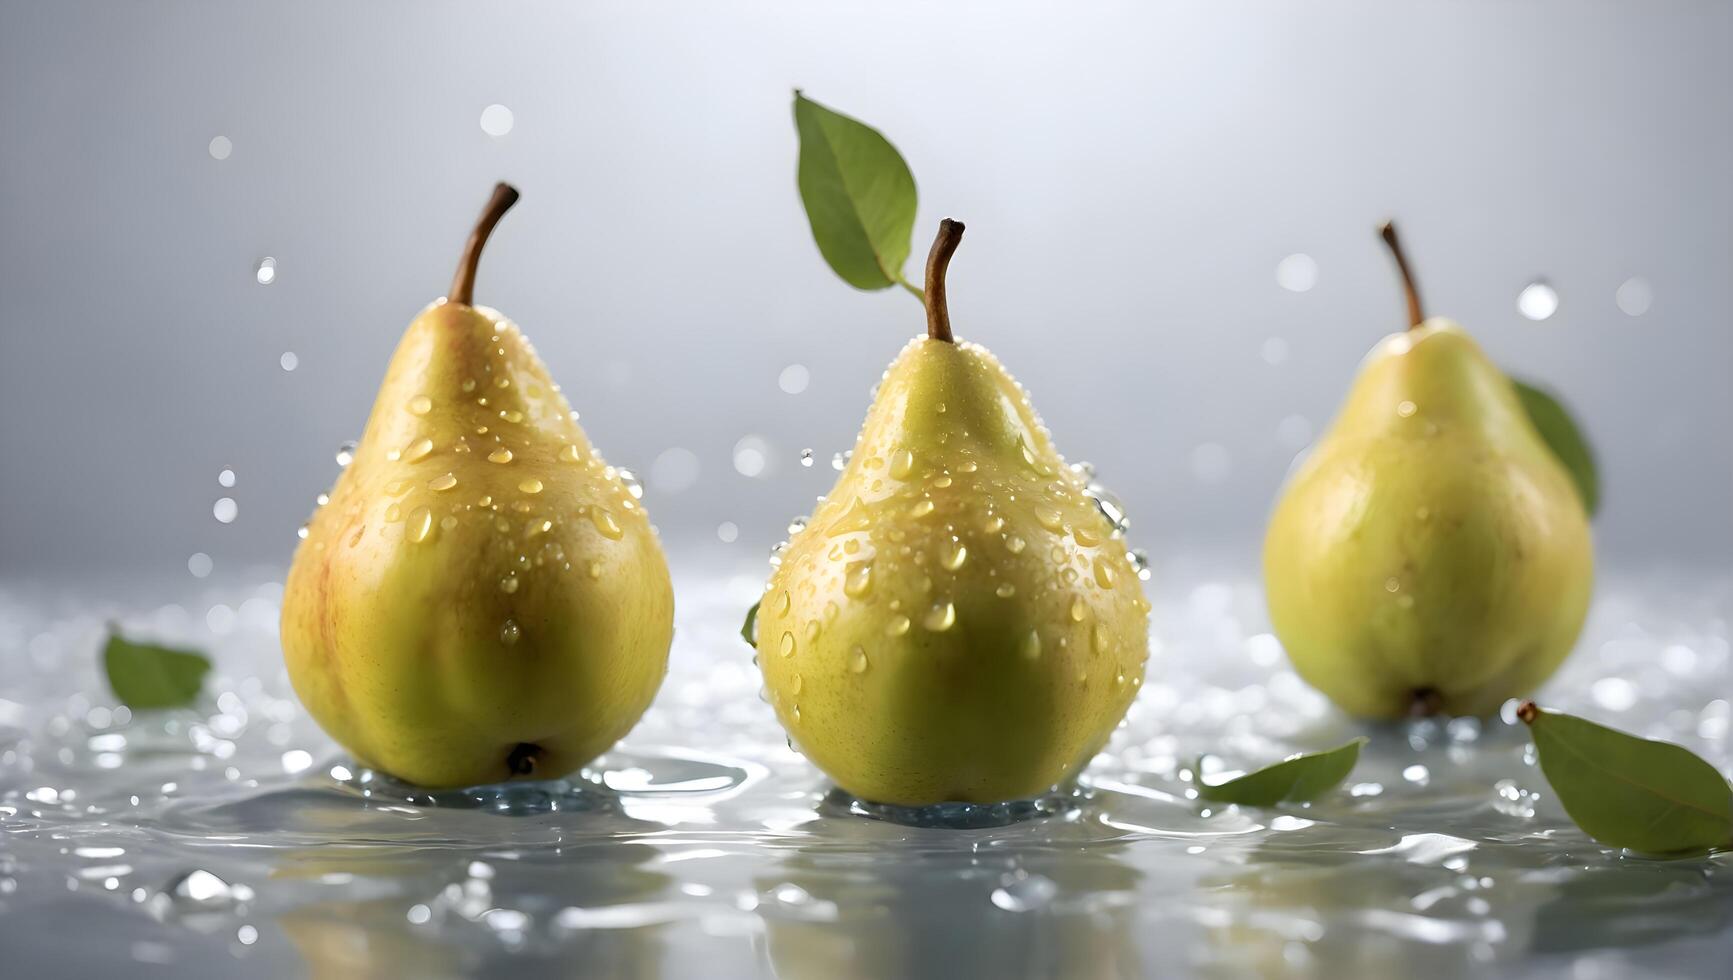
point(958, 621)
point(1431, 554)
point(482, 597)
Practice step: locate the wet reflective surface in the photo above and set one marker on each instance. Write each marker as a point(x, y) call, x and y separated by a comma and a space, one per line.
point(236, 836)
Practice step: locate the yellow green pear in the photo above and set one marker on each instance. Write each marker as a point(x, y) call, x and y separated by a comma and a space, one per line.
point(482, 597)
point(1431, 554)
point(958, 620)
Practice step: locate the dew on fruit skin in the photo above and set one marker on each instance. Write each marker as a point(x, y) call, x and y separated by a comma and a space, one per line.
point(511, 415)
point(531, 485)
point(1423, 514)
point(941, 617)
point(346, 454)
point(857, 660)
point(468, 385)
point(447, 522)
point(942, 482)
point(1078, 610)
point(397, 488)
point(443, 482)
point(784, 603)
point(420, 405)
point(509, 633)
point(1005, 590)
point(993, 524)
point(500, 455)
point(417, 449)
point(902, 464)
point(569, 453)
point(1030, 646)
point(420, 524)
point(954, 557)
point(1406, 408)
point(785, 647)
point(1103, 572)
point(1392, 584)
point(921, 508)
point(508, 583)
point(1100, 638)
point(1049, 519)
point(897, 626)
point(1015, 544)
point(394, 513)
point(795, 683)
point(595, 570)
point(857, 580)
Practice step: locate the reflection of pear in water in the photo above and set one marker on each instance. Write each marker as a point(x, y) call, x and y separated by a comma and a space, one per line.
point(1431, 554)
point(958, 621)
point(482, 597)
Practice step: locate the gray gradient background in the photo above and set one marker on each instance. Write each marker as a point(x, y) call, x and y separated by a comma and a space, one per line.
point(1130, 173)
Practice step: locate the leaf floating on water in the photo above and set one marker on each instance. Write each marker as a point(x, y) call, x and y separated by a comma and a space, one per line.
point(1296, 779)
point(144, 676)
point(859, 196)
point(1630, 792)
point(749, 629)
point(1565, 438)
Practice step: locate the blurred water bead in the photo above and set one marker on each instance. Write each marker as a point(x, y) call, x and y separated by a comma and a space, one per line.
point(1274, 351)
point(1537, 301)
point(1634, 296)
point(220, 618)
point(1294, 432)
point(346, 454)
point(1210, 462)
point(221, 148)
point(199, 564)
point(806, 458)
point(497, 120)
point(751, 456)
point(225, 510)
point(794, 379)
point(289, 361)
point(1297, 273)
point(727, 532)
point(1614, 693)
point(266, 271)
point(674, 471)
point(1022, 892)
point(226, 477)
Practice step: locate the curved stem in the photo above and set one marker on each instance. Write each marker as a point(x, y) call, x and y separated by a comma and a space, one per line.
point(463, 284)
point(938, 313)
point(1415, 316)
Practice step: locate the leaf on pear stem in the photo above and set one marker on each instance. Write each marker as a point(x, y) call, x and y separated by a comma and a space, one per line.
point(749, 629)
point(1296, 779)
point(859, 196)
point(145, 677)
point(1565, 438)
point(1630, 792)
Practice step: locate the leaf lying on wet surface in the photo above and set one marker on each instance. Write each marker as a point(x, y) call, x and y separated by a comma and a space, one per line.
point(1296, 779)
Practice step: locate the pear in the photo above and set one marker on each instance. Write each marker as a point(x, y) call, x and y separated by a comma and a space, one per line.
point(1431, 554)
point(958, 620)
point(482, 597)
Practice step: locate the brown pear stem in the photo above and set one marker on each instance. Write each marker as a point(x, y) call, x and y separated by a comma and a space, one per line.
point(938, 260)
point(1415, 316)
point(463, 284)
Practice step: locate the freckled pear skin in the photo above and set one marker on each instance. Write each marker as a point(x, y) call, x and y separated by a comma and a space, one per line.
point(958, 621)
point(482, 597)
point(1431, 554)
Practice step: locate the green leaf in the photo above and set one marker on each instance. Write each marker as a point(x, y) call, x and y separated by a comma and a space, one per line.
point(1565, 438)
point(144, 676)
point(859, 196)
point(1296, 779)
point(749, 629)
point(1630, 792)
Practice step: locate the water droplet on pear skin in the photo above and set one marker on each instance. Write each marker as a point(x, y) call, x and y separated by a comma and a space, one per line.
point(857, 660)
point(417, 449)
point(420, 405)
point(941, 617)
point(445, 482)
point(420, 524)
point(857, 581)
point(500, 455)
point(1030, 647)
point(897, 626)
point(508, 584)
point(786, 646)
point(1078, 609)
point(531, 485)
point(509, 632)
point(902, 464)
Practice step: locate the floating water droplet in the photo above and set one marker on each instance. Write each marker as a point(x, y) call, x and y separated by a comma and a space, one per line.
point(1537, 301)
point(420, 524)
point(199, 564)
point(420, 405)
point(727, 532)
point(1021, 893)
point(500, 455)
point(445, 482)
point(793, 379)
point(751, 454)
point(200, 890)
point(226, 477)
point(1297, 273)
point(1634, 297)
point(289, 361)
point(417, 449)
point(225, 510)
point(509, 633)
point(220, 147)
point(942, 616)
point(806, 457)
point(266, 271)
point(346, 454)
point(497, 120)
point(839, 461)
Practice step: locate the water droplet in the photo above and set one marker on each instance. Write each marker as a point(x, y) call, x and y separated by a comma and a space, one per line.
point(941, 617)
point(1015, 544)
point(468, 385)
point(569, 454)
point(1423, 514)
point(902, 464)
point(954, 556)
point(793, 379)
point(511, 415)
point(201, 890)
point(1078, 609)
point(784, 603)
point(1005, 590)
point(500, 455)
point(346, 454)
point(1101, 639)
point(225, 510)
point(786, 646)
point(1537, 301)
point(1392, 585)
point(1103, 573)
point(420, 524)
point(727, 532)
point(921, 508)
point(420, 405)
point(857, 581)
point(445, 482)
point(795, 683)
point(595, 570)
point(266, 271)
point(1406, 408)
point(220, 147)
point(448, 522)
point(1049, 519)
point(531, 485)
point(393, 513)
point(993, 524)
point(509, 632)
point(1297, 273)
point(898, 625)
point(508, 584)
point(417, 449)
point(1030, 460)
point(857, 660)
point(1634, 297)
point(199, 564)
point(497, 120)
point(289, 361)
point(1024, 894)
point(1030, 647)
point(806, 457)
point(839, 461)
point(606, 524)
